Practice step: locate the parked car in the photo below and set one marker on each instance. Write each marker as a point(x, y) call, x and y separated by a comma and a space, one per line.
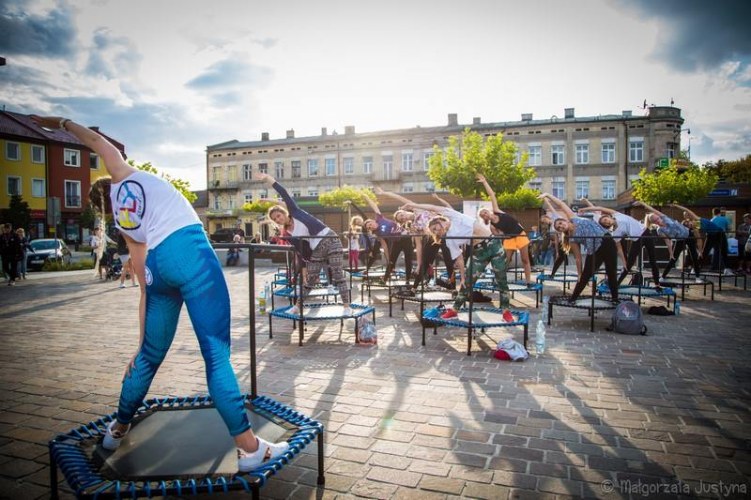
point(47, 250)
point(223, 235)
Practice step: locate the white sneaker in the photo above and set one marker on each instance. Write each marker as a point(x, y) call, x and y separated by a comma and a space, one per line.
point(112, 440)
point(122, 285)
point(266, 451)
point(698, 281)
point(728, 272)
point(347, 311)
point(294, 310)
point(332, 290)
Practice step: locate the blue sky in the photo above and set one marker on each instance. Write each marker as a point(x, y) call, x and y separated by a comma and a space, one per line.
point(170, 77)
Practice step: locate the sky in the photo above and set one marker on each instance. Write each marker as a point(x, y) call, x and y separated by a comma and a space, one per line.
point(170, 77)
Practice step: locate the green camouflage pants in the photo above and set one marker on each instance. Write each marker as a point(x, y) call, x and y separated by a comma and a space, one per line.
point(492, 253)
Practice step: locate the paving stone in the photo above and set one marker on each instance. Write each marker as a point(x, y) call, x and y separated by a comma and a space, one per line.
point(442, 485)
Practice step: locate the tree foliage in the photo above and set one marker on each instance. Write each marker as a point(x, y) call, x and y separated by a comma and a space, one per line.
point(735, 171)
point(675, 184)
point(522, 198)
point(259, 206)
point(18, 212)
point(339, 196)
point(181, 185)
point(455, 169)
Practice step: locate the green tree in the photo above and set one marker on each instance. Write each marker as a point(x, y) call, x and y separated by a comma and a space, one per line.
point(89, 216)
point(455, 169)
point(338, 197)
point(259, 206)
point(18, 212)
point(181, 185)
point(676, 184)
point(735, 171)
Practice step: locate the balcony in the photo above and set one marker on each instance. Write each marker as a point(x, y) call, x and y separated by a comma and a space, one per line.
point(217, 185)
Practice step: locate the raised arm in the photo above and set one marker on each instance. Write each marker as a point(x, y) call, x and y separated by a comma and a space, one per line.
point(586, 202)
point(373, 206)
point(489, 191)
point(442, 201)
point(289, 201)
point(426, 206)
point(593, 208)
point(648, 208)
point(688, 212)
point(401, 199)
point(113, 160)
point(358, 210)
point(559, 206)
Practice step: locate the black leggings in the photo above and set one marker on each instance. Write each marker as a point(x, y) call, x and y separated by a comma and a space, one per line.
point(397, 246)
point(562, 257)
point(9, 267)
point(607, 254)
point(717, 243)
point(646, 241)
point(680, 245)
point(429, 253)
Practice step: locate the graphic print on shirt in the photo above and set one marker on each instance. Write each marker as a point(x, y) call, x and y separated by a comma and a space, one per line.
point(131, 204)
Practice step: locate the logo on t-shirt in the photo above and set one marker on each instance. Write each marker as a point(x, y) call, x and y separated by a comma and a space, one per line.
point(130, 204)
point(148, 275)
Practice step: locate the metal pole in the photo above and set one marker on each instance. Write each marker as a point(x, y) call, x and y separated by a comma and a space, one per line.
point(252, 316)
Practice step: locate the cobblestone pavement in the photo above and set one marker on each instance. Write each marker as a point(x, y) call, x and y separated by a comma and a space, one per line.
point(599, 415)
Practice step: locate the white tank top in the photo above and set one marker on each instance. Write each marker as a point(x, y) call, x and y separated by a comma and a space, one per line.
point(148, 208)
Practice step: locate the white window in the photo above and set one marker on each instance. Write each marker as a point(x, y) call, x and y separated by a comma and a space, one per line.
point(349, 165)
point(631, 179)
point(94, 161)
point(406, 162)
point(14, 185)
point(12, 151)
point(559, 188)
point(429, 187)
point(388, 167)
point(582, 189)
point(231, 202)
point(558, 154)
point(247, 172)
point(263, 168)
point(582, 154)
point(535, 184)
point(37, 154)
point(367, 164)
point(426, 160)
point(313, 191)
point(216, 176)
point(408, 187)
point(217, 203)
point(37, 188)
point(263, 194)
point(312, 168)
point(279, 169)
point(73, 194)
point(71, 158)
point(296, 169)
point(608, 152)
point(535, 155)
point(248, 197)
point(608, 189)
point(330, 166)
point(296, 193)
point(670, 148)
point(636, 150)
point(232, 174)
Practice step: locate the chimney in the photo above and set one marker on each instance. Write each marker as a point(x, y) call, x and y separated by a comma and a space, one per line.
point(349, 129)
point(324, 131)
point(453, 120)
point(568, 113)
point(626, 113)
point(476, 120)
point(526, 117)
point(291, 133)
point(264, 136)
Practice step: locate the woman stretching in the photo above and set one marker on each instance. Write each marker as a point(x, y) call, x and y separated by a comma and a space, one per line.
point(174, 263)
point(503, 223)
point(459, 229)
point(594, 241)
point(316, 244)
point(394, 239)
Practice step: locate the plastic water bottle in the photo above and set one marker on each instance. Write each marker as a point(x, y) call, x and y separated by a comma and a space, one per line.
point(677, 307)
point(540, 337)
point(262, 301)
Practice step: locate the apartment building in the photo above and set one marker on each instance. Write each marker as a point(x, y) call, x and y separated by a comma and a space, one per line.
point(52, 171)
point(595, 157)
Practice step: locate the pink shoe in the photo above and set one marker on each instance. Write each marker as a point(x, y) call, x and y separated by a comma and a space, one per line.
point(450, 313)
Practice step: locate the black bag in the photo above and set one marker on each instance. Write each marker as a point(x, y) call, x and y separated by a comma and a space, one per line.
point(637, 279)
point(660, 311)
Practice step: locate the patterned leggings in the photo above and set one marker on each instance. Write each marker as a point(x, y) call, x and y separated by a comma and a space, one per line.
point(184, 268)
point(492, 253)
point(329, 254)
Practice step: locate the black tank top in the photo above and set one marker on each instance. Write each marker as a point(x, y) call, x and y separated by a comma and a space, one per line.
point(507, 224)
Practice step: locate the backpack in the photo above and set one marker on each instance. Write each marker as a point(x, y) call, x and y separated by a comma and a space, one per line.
point(637, 279)
point(627, 319)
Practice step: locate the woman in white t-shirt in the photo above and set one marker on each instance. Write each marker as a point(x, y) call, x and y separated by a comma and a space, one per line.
point(174, 263)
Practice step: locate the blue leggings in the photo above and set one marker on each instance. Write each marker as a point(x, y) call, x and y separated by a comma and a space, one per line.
point(184, 268)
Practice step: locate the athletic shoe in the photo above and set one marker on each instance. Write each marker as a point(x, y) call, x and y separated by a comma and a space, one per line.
point(698, 281)
point(728, 272)
point(135, 284)
point(347, 311)
point(294, 310)
point(449, 313)
point(247, 461)
point(112, 438)
point(507, 316)
point(122, 285)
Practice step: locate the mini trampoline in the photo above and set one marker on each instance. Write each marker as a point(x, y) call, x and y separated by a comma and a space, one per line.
point(564, 278)
point(640, 292)
point(719, 275)
point(591, 304)
point(323, 293)
point(684, 282)
point(482, 318)
point(374, 279)
point(177, 446)
point(513, 287)
point(321, 312)
point(424, 296)
point(180, 446)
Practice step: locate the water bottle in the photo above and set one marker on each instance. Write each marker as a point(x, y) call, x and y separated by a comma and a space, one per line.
point(540, 337)
point(262, 301)
point(677, 307)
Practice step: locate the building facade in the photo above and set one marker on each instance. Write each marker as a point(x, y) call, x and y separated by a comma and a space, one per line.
point(52, 171)
point(595, 157)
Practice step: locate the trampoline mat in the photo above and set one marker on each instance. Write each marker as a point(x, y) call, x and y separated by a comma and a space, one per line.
point(512, 287)
point(644, 291)
point(559, 277)
point(582, 303)
point(328, 311)
point(484, 318)
point(314, 293)
point(434, 296)
point(182, 444)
